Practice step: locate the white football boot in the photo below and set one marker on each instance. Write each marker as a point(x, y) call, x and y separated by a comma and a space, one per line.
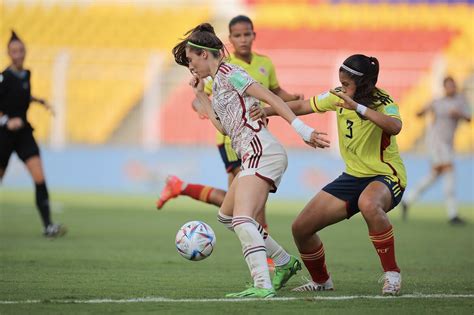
point(392, 283)
point(313, 286)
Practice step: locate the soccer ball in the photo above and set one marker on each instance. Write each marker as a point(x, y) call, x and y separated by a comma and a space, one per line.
point(195, 240)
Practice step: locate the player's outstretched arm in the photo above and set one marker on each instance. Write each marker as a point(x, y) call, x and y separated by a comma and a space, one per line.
point(424, 111)
point(299, 108)
point(390, 125)
point(309, 135)
point(280, 108)
point(286, 96)
point(44, 103)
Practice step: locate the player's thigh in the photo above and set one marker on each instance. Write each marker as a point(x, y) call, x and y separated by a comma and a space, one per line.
point(321, 211)
point(250, 195)
point(232, 175)
point(374, 197)
point(28, 151)
point(6, 149)
point(227, 206)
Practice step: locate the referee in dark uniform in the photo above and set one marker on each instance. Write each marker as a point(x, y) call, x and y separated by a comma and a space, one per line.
point(16, 134)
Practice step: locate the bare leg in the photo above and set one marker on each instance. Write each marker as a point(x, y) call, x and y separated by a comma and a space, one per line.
point(323, 210)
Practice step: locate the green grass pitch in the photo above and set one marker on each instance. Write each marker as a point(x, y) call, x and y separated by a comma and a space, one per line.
point(121, 248)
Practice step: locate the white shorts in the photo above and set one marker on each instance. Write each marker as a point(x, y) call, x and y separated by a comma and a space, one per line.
point(265, 158)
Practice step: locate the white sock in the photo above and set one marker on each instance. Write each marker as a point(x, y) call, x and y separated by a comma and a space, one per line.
point(274, 250)
point(450, 196)
point(253, 248)
point(420, 187)
point(226, 220)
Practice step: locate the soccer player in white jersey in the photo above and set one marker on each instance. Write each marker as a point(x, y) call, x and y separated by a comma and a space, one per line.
point(263, 158)
point(447, 111)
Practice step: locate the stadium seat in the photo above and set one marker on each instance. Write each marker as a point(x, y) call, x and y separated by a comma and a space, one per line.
point(108, 45)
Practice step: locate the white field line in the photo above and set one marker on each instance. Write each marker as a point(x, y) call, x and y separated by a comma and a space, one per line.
point(233, 300)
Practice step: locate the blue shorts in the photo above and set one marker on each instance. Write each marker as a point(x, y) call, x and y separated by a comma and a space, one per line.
point(229, 157)
point(349, 188)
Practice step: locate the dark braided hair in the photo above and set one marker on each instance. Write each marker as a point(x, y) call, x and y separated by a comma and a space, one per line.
point(202, 35)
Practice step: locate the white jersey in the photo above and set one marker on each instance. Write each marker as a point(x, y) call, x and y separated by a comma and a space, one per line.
point(444, 126)
point(441, 132)
point(231, 105)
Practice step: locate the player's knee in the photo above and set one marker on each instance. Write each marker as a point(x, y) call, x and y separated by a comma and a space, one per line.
point(369, 207)
point(300, 230)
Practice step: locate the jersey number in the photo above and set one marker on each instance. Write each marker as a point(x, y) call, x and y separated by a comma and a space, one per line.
point(349, 127)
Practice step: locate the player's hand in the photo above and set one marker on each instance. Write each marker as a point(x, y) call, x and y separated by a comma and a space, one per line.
point(48, 107)
point(257, 112)
point(455, 114)
point(318, 140)
point(197, 84)
point(298, 96)
point(199, 109)
point(15, 124)
point(348, 103)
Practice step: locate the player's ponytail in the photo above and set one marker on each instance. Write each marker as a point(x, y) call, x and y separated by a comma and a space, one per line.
point(202, 37)
point(364, 71)
point(204, 27)
point(14, 37)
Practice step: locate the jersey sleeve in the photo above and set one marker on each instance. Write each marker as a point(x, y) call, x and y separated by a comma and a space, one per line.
point(208, 86)
point(272, 77)
point(387, 105)
point(324, 102)
point(392, 111)
point(240, 80)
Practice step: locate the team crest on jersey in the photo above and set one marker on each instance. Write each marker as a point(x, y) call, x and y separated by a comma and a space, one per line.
point(25, 85)
point(392, 110)
point(263, 71)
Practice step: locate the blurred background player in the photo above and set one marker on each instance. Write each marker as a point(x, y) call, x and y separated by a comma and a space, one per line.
point(16, 134)
point(264, 159)
point(374, 180)
point(261, 69)
point(447, 112)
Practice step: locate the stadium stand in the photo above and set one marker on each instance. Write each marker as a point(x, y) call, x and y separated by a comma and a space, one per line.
point(307, 40)
point(108, 47)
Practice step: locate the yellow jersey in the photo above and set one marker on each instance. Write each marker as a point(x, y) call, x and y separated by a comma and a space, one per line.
point(366, 149)
point(261, 69)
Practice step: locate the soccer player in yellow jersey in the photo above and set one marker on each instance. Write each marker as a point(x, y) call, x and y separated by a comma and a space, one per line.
point(261, 69)
point(374, 180)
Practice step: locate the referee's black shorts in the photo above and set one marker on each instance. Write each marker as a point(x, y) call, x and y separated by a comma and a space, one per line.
point(22, 142)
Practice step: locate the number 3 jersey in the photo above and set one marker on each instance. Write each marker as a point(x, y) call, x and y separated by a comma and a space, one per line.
point(232, 105)
point(366, 149)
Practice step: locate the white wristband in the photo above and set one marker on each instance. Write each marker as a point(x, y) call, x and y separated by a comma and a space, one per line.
point(3, 120)
point(302, 129)
point(361, 109)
